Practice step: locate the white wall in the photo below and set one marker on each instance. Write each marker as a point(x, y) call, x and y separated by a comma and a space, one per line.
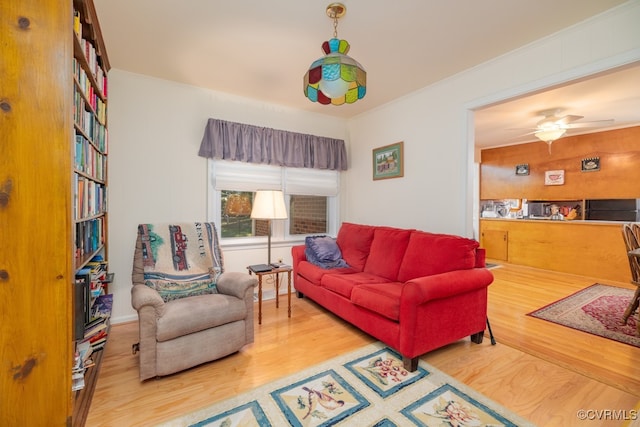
point(155, 173)
point(156, 126)
point(436, 192)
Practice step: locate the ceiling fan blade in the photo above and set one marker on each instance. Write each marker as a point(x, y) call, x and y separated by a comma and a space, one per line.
point(568, 119)
point(594, 124)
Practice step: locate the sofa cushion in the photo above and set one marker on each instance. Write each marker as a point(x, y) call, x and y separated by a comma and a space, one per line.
point(429, 253)
point(188, 315)
point(383, 299)
point(324, 252)
point(314, 274)
point(343, 284)
point(387, 251)
point(354, 241)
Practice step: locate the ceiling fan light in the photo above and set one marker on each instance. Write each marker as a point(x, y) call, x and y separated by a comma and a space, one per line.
point(550, 135)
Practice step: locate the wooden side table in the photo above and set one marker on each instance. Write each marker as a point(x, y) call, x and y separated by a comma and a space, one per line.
point(276, 272)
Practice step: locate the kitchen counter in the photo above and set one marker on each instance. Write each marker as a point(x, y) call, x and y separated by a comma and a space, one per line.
point(589, 248)
point(563, 221)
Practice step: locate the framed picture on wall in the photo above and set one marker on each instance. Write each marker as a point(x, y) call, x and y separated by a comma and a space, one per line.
point(554, 177)
point(522, 170)
point(591, 164)
point(388, 161)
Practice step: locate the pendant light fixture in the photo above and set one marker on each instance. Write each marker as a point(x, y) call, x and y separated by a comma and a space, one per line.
point(551, 127)
point(549, 135)
point(335, 78)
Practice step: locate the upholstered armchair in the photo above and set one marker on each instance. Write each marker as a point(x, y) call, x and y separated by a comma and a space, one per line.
point(190, 310)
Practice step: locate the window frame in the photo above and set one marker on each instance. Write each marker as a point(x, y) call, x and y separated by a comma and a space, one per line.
point(279, 228)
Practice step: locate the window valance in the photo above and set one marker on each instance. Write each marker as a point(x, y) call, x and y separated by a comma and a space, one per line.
point(254, 144)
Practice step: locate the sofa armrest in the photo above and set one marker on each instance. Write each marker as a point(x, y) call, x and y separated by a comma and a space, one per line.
point(481, 256)
point(236, 284)
point(428, 288)
point(298, 255)
point(143, 296)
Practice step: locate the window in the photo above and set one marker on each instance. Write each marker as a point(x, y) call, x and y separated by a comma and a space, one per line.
point(307, 215)
point(235, 207)
point(311, 196)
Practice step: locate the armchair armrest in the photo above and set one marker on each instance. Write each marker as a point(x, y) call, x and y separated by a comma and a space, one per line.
point(235, 283)
point(437, 286)
point(142, 295)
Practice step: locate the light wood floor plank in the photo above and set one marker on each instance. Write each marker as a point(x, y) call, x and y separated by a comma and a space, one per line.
point(542, 371)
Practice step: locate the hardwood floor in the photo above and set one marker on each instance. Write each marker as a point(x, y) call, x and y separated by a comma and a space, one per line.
point(542, 371)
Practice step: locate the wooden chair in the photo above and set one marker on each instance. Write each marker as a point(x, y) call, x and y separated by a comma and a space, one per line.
point(631, 236)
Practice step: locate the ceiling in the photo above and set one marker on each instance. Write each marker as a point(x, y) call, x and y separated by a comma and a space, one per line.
point(613, 95)
point(261, 50)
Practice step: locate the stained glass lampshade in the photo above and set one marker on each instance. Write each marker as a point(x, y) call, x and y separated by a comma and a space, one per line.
point(335, 78)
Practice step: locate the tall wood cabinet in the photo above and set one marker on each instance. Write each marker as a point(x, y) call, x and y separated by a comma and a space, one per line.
point(40, 59)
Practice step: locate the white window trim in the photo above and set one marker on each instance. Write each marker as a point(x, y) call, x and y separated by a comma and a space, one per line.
point(279, 228)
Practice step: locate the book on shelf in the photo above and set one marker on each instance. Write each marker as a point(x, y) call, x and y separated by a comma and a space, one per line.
point(94, 322)
point(89, 363)
point(103, 305)
point(83, 351)
point(102, 334)
point(77, 381)
point(82, 301)
point(77, 26)
point(98, 343)
point(81, 362)
point(99, 346)
point(90, 332)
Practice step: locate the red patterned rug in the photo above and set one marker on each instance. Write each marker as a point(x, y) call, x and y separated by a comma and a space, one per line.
point(597, 310)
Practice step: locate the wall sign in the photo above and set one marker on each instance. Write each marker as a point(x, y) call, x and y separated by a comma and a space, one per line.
point(591, 164)
point(555, 177)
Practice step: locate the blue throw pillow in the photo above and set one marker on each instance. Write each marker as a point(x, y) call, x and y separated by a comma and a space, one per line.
point(324, 252)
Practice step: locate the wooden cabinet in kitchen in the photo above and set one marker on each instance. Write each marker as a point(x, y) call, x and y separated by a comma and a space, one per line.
point(587, 248)
point(496, 244)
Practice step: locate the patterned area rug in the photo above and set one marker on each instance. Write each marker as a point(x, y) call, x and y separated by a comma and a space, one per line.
point(597, 310)
point(368, 387)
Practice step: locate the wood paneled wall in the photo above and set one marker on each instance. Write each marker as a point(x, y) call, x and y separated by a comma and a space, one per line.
point(618, 177)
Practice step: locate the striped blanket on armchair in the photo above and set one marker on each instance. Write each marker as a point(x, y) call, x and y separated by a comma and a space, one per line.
point(181, 259)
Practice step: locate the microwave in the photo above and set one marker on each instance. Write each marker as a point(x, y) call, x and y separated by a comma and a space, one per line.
point(539, 209)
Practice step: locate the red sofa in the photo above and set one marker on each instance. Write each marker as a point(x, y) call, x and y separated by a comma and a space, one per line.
point(414, 291)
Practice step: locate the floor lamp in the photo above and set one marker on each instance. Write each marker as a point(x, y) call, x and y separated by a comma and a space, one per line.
point(268, 205)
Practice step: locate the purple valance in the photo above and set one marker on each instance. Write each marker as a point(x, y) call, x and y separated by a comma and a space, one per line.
point(254, 144)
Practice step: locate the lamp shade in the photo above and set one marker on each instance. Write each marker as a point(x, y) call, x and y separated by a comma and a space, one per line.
point(335, 78)
point(550, 135)
point(269, 204)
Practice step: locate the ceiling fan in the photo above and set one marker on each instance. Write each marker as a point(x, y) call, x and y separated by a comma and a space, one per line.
point(553, 127)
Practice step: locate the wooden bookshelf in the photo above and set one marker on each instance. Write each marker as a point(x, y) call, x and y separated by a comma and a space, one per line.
point(90, 153)
point(38, 250)
point(82, 398)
